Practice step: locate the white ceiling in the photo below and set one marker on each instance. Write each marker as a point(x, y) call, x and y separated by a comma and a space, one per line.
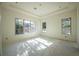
point(43, 8)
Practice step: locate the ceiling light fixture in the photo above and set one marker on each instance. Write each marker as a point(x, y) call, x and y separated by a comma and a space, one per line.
point(40, 4)
point(35, 8)
point(16, 2)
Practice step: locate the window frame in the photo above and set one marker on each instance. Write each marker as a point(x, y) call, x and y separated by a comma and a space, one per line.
point(30, 30)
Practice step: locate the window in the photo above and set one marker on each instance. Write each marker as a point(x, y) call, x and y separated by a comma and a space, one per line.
point(44, 26)
point(24, 26)
point(33, 27)
point(66, 26)
point(19, 26)
point(29, 26)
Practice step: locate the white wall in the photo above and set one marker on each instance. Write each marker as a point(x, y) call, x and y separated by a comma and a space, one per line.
point(78, 25)
point(8, 22)
point(0, 34)
point(54, 25)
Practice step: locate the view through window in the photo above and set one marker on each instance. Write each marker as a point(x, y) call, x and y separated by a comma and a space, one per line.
point(29, 26)
point(44, 26)
point(24, 26)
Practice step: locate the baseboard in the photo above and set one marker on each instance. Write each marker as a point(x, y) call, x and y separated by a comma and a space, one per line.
point(57, 38)
point(20, 40)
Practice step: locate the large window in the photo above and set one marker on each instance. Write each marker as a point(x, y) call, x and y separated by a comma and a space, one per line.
point(24, 26)
point(19, 26)
point(33, 27)
point(66, 26)
point(29, 26)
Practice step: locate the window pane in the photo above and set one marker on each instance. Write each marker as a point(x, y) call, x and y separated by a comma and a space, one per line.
point(19, 26)
point(32, 27)
point(27, 26)
point(44, 26)
point(66, 26)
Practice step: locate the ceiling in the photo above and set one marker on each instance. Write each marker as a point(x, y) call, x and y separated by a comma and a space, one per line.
point(42, 8)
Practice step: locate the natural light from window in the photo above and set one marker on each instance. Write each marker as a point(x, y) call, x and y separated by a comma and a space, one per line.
point(32, 46)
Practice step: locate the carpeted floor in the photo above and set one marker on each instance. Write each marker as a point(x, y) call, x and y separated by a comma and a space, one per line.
point(42, 46)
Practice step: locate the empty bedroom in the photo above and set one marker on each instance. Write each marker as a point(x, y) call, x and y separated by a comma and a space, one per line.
point(39, 29)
